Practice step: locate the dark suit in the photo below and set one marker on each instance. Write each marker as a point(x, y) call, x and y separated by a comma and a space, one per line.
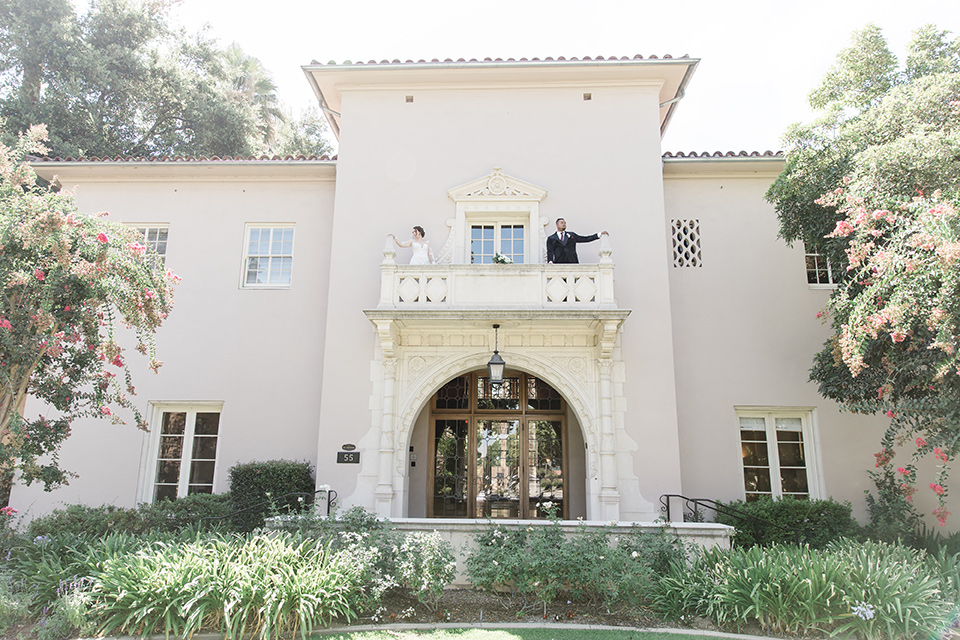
point(565, 252)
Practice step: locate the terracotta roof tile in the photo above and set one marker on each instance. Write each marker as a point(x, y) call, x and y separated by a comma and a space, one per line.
point(722, 154)
point(500, 60)
point(264, 158)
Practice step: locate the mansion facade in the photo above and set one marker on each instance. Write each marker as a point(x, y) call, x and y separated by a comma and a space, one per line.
point(673, 359)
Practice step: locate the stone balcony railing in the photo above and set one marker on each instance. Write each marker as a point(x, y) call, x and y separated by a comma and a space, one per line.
point(500, 286)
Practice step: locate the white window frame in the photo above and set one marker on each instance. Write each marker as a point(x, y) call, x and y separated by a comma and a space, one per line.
point(142, 227)
point(498, 221)
point(150, 448)
point(811, 446)
point(832, 283)
point(248, 227)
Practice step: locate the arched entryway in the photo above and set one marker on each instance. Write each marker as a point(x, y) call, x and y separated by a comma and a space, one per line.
point(508, 451)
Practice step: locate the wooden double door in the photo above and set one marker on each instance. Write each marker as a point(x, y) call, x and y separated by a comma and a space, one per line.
point(497, 452)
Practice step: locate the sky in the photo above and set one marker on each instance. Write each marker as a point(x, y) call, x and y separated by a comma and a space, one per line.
point(759, 59)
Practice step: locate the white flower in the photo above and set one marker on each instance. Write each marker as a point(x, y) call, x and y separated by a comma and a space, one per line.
point(634, 554)
point(496, 564)
point(863, 610)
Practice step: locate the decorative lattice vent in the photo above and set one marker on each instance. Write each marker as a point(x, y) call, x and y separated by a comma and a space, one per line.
point(686, 243)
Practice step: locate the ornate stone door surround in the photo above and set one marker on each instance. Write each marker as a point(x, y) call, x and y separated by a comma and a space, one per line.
point(576, 352)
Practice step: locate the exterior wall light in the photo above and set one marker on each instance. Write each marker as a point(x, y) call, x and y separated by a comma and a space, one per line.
point(496, 365)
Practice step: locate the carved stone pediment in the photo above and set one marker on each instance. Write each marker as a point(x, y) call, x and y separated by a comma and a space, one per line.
point(497, 186)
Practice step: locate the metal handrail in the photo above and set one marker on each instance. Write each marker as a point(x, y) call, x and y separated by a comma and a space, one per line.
point(718, 507)
point(331, 500)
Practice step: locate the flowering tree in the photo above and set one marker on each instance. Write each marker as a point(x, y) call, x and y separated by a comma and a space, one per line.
point(67, 280)
point(875, 185)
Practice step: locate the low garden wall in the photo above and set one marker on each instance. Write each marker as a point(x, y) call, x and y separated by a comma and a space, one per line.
point(461, 532)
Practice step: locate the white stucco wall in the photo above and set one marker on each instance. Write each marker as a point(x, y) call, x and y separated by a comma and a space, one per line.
point(257, 351)
point(745, 332)
point(397, 161)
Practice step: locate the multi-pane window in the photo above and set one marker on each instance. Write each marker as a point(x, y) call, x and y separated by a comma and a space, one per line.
point(268, 260)
point(155, 239)
point(487, 240)
point(819, 269)
point(776, 454)
point(187, 453)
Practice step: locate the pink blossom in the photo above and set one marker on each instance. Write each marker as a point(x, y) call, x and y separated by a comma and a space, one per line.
point(117, 362)
point(884, 457)
point(136, 248)
point(880, 393)
point(941, 513)
point(39, 274)
point(105, 410)
point(8, 511)
point(5, 324)
point(936, 488)
point(102, 238)
point(147, 294)
point(843, 228)
point(937, 451)
point(921, 443)
point(891, 414)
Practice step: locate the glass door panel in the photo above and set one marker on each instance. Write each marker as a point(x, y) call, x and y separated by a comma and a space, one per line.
point(498, 469)
point(545, 468)
point(450, 477)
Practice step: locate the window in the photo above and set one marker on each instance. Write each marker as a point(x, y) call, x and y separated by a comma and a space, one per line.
point(268, 259)
point(819, 269)
point(186, 450)
point(486, 240)
point(155, 238)
point(777, 448)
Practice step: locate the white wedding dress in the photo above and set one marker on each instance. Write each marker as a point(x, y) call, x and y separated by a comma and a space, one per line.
point(421, 253)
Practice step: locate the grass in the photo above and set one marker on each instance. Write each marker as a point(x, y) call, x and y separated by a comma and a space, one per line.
point(508, 634)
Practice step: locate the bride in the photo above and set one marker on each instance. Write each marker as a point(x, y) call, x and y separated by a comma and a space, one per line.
point(422, 253)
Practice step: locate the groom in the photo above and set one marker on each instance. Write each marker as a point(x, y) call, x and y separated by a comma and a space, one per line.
point(562, 245)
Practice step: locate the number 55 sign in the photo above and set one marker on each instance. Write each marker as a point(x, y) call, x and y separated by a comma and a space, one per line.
point(348, 457)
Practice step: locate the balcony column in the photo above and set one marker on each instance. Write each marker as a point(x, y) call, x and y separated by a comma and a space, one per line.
point(388, 274)
point(384, 492)
point(609, 495)
point(605, 284)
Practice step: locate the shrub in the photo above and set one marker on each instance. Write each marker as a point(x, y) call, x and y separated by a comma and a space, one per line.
point(80, 519)
point(259, 489)
point(13, 604)
point(272, 586)
point(198, 511)
point(69, 615)
point(655, 549)
point(539, 563)
point(818, 522)
point(426, 565)
point(48, 564)
point(871, 589)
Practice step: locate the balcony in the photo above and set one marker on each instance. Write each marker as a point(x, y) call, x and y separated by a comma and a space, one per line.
point(498, 286)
